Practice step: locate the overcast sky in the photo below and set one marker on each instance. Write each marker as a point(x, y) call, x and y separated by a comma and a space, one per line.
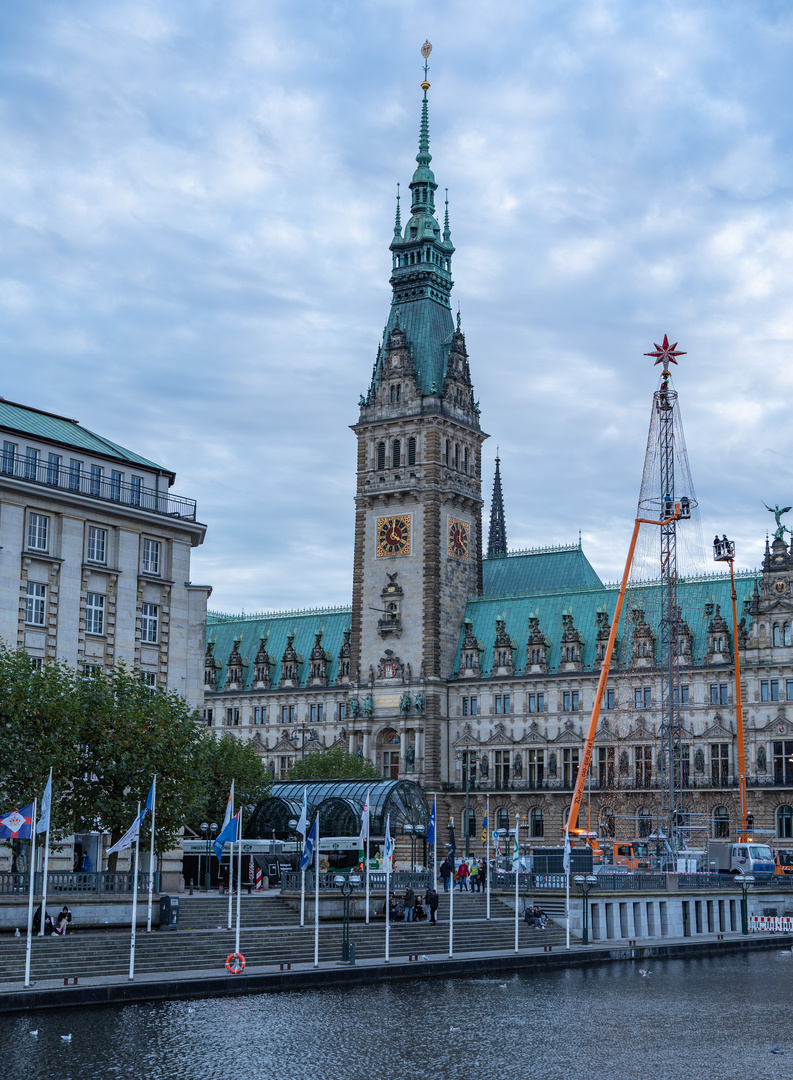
point(196, 202)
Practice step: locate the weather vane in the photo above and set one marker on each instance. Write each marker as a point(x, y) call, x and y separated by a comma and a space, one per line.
point(426, 49)
point(665, 353)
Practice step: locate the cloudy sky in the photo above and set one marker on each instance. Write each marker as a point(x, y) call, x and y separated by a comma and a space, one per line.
point(196, 202)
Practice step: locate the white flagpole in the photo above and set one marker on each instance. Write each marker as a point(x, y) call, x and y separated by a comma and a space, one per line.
point(316, 898)
point(134, 901)
point(387, 893)
point(239, 878)
point(231, 856)
point(451, 910)
point(487, 851)
point(46, 860)
point(567, 885)
point(435, 846)
point(30, 894)
point(517, 883)
point(303, 871)
point(368, 829)
point(151, 854)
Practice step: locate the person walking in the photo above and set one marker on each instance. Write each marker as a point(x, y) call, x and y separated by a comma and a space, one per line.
point(446, 873)
point(474, 876)
point(431, 901)
point(462, 875)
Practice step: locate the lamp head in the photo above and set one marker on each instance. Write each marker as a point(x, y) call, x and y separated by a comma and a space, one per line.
point(203, 826)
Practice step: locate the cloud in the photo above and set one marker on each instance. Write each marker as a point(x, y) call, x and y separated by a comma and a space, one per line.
point(196, 202)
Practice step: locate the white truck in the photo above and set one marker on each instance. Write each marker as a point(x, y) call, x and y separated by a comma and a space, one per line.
point(740, 858)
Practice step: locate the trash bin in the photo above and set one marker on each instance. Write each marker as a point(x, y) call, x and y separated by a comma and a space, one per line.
point(169, 913)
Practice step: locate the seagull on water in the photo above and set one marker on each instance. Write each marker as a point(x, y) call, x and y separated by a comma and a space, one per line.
point(502, 986)
point(644, 972)
point(775, 1049)
point(35, 1033)
point(66, 1038)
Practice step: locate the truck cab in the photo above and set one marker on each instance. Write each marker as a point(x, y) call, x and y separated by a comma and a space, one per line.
point(751, 858)
point(632, 856)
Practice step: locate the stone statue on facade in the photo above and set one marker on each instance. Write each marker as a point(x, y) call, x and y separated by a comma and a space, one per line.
point(420, 704)
point(777, 512)
point(354, 707)
point(410, 758)
point(368, 705)
point(405, 704)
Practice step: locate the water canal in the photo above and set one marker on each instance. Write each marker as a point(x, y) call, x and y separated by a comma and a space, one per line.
point(712, 1017)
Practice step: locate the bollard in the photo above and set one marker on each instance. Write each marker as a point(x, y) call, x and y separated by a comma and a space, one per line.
point(286, 967)
point(352, 952)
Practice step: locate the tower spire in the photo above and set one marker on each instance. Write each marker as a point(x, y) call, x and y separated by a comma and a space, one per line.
point(447, 233)
point(497, 537)
point(398, 221)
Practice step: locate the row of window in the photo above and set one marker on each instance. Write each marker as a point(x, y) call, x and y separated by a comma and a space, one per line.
point(36, 613)
point(397, 453)
point(32, 466)
point(642, 698)
point(315, 714)
point(39, 536)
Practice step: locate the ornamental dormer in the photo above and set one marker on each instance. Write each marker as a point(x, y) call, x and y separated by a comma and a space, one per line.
point(537, 647)
point(503, 651)
point(290, 663)
point(572, 644)
point(470, 657)
point(719, 643)
point(212, 667)
point(234, 666)
point(262, 665)
point(343, 678)
point(318, 663)
point(643, 648)
point(602, 635)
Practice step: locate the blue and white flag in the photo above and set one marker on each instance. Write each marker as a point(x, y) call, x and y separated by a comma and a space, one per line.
point(46, 802)
point(389, 843)
point(228, 834)
point(302, 825)
point(566, 862)
point(149, 800)
point(431, 826)
point(17, 825)
point(308, 848)
point(229, 808)
point(130, 836)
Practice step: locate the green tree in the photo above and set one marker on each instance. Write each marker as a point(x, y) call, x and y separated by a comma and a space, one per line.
point(223, 760)
point(39, 723)
point(334, 764)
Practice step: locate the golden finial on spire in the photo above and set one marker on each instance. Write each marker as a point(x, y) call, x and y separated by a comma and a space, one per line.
point(426, 49)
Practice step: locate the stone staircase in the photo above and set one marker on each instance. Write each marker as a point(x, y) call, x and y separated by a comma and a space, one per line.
point(211, 912)
point(169, 952)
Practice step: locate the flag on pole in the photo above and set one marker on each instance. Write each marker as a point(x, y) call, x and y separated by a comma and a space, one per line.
point(302, 825)
point(431, 825)
point(129, 837)
point(17, 825)
point(308, 847)
point(516, 853)
point(227, 834)
point(229, 806)
point(364, 834)
point(566, 851)
point(389, 843)
point(452, 841)
point(484, 829)
point(149, 800)
point(46, 801)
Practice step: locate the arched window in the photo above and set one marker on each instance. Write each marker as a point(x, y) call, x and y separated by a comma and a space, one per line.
point(645, 821)
point(447, 451)
point(721, 823)
point(465, 459)
point(784, 822)
point(396, 452)
point(718, 644)
point(786, 633)
point(456, 456)
point(502, 818)
point(381, 455)
point(536, 823)
point(777, 635)
point(472, 822)
point(607, 822)
point(411, 451)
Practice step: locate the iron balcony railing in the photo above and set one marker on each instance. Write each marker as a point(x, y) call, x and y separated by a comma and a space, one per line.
point(96, 882)
point(105, 488)
point(327, 881)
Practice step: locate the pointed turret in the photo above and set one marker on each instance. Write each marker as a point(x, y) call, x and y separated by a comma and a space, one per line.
point(497, 537)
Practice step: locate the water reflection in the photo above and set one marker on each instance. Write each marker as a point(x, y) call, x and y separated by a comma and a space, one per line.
point(687, 1019)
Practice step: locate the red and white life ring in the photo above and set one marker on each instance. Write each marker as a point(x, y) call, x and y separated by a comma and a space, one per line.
point(235, 967)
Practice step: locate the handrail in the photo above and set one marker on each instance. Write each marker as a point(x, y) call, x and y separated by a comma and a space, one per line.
point(94, 882)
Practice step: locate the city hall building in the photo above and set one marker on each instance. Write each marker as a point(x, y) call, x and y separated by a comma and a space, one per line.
point(461, 664)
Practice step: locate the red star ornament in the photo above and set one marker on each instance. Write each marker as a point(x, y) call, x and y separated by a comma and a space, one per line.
point(665, 353)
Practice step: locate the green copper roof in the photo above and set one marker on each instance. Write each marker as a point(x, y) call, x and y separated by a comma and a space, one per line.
point(249, 630)
point(697, 598)
point(23, 420)
point(429, 327)
point(532, 571)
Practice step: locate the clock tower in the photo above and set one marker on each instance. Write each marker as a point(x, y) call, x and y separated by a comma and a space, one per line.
point(418, 536)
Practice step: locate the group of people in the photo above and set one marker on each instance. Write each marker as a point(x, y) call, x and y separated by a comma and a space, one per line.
point(466, 877)
point(535, 916)
point(413, 908)
point(58, 929)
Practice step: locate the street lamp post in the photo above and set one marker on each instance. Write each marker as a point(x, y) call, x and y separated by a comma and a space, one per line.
point(468, 757)
point(745, 881)
point(312, 738)
point(585, 883)
point(347, 885)
point(420, 830)
point(209, 832)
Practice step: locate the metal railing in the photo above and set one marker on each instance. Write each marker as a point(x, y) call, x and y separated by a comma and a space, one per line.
point(775, 882)
point(95, 883)
point(107, 489)
point(400, 880)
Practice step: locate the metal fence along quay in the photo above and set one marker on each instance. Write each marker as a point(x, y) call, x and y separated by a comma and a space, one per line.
point(96, 882)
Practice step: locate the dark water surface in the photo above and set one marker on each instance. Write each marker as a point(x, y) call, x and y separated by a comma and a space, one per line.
point(714, 1017)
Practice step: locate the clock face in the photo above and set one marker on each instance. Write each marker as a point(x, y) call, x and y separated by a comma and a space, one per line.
point(393, 536)
point(458, 539)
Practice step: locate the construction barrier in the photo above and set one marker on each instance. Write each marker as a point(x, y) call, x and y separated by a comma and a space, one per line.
point(765, 924)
